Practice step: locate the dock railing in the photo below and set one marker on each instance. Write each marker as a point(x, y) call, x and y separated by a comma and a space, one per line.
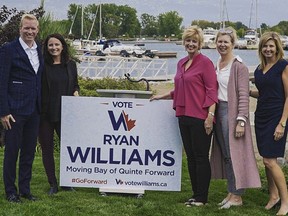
point(96, 67)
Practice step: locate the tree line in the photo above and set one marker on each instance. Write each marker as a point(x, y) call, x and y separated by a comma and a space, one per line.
point(117, 21)
point(121, 21)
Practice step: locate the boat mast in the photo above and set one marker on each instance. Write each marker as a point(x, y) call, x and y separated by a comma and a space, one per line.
point(100, 22)
point(260, 32)
point(82, 21)
point(256, 8)
point(91, 29)
point(221, 14)
point(223, 8)
point(251, 12)
point(256, 16)
point(70, 31)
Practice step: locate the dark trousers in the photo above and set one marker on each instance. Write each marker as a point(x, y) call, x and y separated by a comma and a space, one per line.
point(197, 145)
point(22, 137)
point(46, 139)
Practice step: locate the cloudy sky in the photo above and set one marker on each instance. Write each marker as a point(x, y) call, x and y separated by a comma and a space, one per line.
point(269, 12)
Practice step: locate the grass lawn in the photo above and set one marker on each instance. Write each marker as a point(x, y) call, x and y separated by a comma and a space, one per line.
point(87, 201)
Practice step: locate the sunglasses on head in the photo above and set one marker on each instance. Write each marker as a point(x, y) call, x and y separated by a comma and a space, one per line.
point(226, 31)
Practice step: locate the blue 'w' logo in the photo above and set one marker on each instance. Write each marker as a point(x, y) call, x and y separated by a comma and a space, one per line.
point(116, 124)
point(123, 120)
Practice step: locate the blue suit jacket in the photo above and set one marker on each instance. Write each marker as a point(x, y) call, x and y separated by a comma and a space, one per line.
point(20, 86)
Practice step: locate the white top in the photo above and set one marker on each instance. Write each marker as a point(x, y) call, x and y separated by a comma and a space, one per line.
point(31, 53)
point(223, 79)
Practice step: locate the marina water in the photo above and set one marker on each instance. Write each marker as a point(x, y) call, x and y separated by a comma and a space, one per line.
point(249, 57)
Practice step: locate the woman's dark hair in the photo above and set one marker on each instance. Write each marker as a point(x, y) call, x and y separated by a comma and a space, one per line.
point(64, 54)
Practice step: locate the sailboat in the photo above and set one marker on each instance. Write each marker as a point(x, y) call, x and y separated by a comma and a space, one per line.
point(87, 45)
point(251, 36)
point(103, 46)
point(210, 33)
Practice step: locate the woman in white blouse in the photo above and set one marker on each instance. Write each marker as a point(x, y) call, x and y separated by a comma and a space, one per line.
point(232, 130)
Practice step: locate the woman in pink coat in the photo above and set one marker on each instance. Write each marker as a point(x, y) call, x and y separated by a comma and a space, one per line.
point(232, 130)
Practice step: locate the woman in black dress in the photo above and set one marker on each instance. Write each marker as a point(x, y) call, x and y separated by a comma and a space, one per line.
point(271, 80)
point(59, 79)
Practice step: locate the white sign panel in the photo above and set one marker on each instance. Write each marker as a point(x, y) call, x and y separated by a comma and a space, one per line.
point(120, 143)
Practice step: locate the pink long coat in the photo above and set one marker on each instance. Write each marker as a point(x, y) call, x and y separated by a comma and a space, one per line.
point(241, 149)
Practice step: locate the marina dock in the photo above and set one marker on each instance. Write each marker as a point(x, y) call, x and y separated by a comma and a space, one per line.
point(166, 54)
point(158, 54)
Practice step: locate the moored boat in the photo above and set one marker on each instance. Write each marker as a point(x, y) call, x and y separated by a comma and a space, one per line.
point(252, 37)
point(241, 43)
point(209, 35)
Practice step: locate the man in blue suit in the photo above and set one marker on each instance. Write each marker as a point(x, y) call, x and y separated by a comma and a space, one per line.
point(21, 66)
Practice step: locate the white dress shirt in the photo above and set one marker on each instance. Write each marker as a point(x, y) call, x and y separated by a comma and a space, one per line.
point(31, 53)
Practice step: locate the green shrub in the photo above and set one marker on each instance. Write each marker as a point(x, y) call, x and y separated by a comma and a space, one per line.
point(89, 86)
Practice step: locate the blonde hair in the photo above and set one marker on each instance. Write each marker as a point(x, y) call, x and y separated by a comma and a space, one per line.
point(263, 40)
point(28, 17)
point(230, 31)
point(194, 32)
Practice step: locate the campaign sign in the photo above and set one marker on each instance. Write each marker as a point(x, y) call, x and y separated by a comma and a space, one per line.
point(120, 143)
